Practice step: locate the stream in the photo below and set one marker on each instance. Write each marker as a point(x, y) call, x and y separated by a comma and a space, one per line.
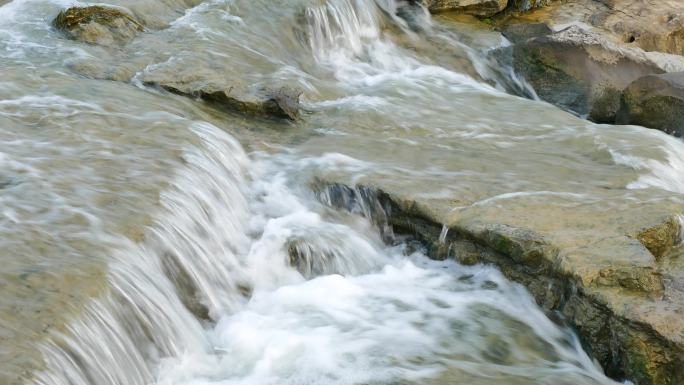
point(150, 238)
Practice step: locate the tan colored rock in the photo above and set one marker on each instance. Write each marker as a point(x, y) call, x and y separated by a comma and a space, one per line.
point(98, 25)
point(652, 26)
point(481, 8)
point(276, 101)
point(660, 238)
point(608, 285)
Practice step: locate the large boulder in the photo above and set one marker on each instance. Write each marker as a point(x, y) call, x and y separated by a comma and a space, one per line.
point(581, 71)
point(98, 25)
point(655, 101)
point(480, 8)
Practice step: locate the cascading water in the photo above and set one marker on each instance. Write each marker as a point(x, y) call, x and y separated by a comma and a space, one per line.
point(223, 267)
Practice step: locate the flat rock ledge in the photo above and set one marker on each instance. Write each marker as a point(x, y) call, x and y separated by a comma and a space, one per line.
point(625, 315)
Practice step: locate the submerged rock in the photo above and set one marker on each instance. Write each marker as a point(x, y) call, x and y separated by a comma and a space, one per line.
point(481, 8)
point(98, 25)
point(655, 101)
point(580, 71)
point(280, 102)
point(517, 33)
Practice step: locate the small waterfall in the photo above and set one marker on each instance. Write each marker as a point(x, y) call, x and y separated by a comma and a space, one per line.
point(343, 26)
point(243, 278)
point(187, 265)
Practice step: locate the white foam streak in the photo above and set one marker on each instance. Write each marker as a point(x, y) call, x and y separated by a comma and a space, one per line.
point(665, 174)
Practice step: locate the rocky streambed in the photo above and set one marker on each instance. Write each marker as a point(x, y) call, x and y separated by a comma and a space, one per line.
point(155, 243)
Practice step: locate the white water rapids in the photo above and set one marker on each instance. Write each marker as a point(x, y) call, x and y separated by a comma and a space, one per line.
point(207, 294)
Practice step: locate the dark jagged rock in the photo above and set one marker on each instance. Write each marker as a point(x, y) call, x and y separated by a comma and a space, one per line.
point(655, 101)
point(98, 25)
point(308, 259)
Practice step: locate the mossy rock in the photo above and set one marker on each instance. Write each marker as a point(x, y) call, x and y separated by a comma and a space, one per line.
point(479, 8)
point(655, 101)
point(98, 25)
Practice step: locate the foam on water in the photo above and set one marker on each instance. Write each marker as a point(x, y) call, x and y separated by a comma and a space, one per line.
point(666, 173)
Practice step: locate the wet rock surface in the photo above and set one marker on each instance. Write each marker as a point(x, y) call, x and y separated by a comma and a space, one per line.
point(611, 290)
point(98, 25)
point(651, 26)
point(280, 102)
point(606, 261)
point(581, 71)
point(585, 69)
point(517, 33)
point(482, 8)
point(655, 101)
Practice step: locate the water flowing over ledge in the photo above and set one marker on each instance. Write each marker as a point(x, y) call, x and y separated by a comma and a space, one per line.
point(167, 240)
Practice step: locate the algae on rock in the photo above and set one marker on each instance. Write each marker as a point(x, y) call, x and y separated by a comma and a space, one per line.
point(98, 25)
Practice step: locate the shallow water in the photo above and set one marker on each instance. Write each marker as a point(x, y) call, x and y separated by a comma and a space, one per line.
point(144, 236)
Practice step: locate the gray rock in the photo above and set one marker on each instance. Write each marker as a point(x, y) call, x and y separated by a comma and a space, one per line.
point(655, 101)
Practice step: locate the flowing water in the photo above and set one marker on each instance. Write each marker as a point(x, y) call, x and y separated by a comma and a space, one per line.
point(147, 238)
